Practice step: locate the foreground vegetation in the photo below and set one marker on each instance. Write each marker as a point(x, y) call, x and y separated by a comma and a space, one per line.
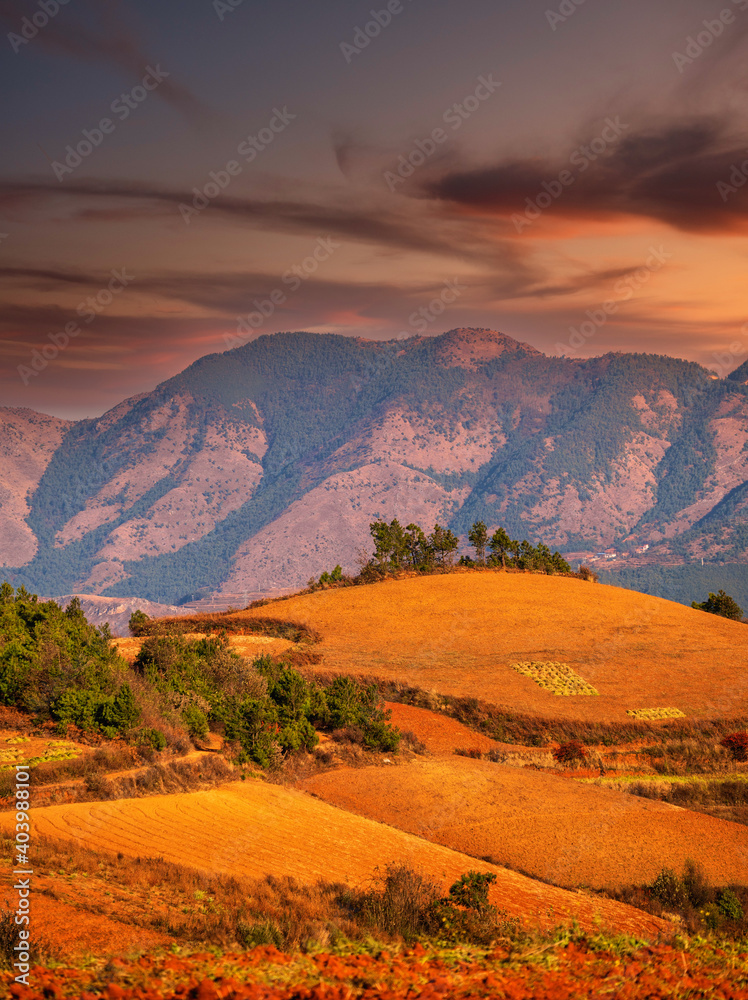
point(395, 938)
point(59, 669)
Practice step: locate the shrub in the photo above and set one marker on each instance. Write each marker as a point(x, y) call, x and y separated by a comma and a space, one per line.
point(669, 889)
point(737, 744)
point(720, 604)
point(197, 724)
point(471, 890)
point(730, 905)
point(585, 573)
point(152, 738)
point(569, 753)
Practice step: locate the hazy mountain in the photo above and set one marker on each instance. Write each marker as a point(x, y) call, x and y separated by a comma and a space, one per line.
point(258, 468)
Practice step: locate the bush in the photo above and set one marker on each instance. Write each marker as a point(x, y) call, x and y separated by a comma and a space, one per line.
point(737, 744)
point(197, 724)
point(569, 753)
point(669, 889)
point(729, 904)
point(150, 738)
point(720, 604)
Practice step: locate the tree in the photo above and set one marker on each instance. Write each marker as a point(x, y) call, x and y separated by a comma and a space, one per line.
point(478, 537)
point(444, 543)
point(720, 604)
point(499, 545)
point(417, 545)
point(390, 544)
point(139, 622)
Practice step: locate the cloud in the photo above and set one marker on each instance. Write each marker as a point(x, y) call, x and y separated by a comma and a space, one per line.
point(110, 43)
point(667, 172)
point(413, 229)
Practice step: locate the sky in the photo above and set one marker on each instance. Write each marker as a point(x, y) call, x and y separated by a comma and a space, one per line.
point(181, 177)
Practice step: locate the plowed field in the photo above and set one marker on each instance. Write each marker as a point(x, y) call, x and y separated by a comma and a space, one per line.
point(459, 634)
point(257, 829)
point(548, 826)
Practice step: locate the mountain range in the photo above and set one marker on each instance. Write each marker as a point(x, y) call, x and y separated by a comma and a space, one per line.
point(257, 468)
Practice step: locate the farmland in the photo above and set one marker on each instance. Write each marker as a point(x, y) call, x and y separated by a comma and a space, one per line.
point(459, 634)
point(253, 829)
point(580, 834)
point(301, 836)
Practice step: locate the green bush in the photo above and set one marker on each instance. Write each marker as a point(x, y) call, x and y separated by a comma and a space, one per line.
point(196, 722)
point(152, 738)
point(720, 604)
point(729, 905)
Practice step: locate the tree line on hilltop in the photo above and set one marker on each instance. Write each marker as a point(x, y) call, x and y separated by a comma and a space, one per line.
point(400, 548)
point(410, 548)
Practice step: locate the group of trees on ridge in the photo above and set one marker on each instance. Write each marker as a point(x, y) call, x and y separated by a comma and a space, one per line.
point(397, 548)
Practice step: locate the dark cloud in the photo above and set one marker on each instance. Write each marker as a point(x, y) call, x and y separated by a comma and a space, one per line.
point(394, 229)
point(667, 173)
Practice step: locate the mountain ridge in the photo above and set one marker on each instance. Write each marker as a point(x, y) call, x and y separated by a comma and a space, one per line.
point(260, 467)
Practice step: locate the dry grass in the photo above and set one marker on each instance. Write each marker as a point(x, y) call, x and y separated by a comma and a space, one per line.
point(654, 714)
point(558, 678)
point(458, 635)
point(551, 827)
point(254, 829)
point(249, 646)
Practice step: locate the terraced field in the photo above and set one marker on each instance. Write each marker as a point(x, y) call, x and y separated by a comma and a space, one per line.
point(549, 826)
point(460, 633)
point(249, 830)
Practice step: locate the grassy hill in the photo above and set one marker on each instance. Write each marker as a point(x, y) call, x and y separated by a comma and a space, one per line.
point(460, 634)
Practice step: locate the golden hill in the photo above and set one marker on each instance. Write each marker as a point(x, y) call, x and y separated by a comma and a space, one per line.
point(460, 633)
point(253, 829)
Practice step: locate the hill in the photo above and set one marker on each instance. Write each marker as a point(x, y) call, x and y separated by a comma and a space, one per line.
point(459, 634)
point(249, 831)
point(258, 468)
point(581, 834)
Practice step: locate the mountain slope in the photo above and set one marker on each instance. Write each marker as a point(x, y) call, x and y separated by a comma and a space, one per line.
point(261, 467)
